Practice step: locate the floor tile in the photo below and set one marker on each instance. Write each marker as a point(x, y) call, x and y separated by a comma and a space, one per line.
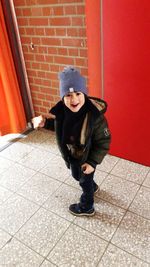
point(133, 236)
point(130, 171)
point(60, 201)
point(4, 238)
point(37, 159)
point(42, 231)
point(16, 151)
point(77, 248)
point(16, 254)
point(141, 203)
point(50, 145)
point(104, 222)
point(5, 164)
point(4, 194)
point(47, 264)
point(108, 163)
point(115, 257)
point(15, 176)
point(15, 212)
point(118, 191)
point(56, 169)
point(147, 180)
point(36, 137)
point(39, 188)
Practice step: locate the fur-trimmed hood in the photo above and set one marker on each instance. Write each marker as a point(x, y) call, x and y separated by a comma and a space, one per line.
point(97, 105)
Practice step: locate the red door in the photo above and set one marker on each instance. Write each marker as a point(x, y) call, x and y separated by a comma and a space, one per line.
point(126, 43)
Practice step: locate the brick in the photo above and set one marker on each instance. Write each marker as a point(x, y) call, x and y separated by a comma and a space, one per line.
point(72, 32)
point(47, 2)
point(70, 10)
point(81, 61)
point(37, 102)
point(39, 58)
point(72, 42)
point(44, 66)
point(25, 48)
point(29, 31)
point(50, 98)
point(46, 83)
point(49, 58)
point(35, 65)
point(54, 68)
point(45, 90)
point(50, 32)
point(22, 21)
point(38, 21)
point(39, 31)
point(25, 40)
point(83, 53)
point(73, 52)
point(22, 31)
point(62, 51)
point(42, 50)
point(51, 41)
point(26, 12)
point(64, 60)
point(60, 32)
point(38, 81)
point(29, 57)
point(80, 10)
point(58, 11)
point(82, 32)
point(36, 11)
point(34, 88)
point(59, 21)
point(71, 1)
point(51, 75)
point(19, 12)
point(45, 103)
point(43, 110)
point(28, 65)
point(41, 74)
point(55, 84)
point(31, 2)
point(77, 21)
point(19, 2)
point(41, 96)
point(52, 50)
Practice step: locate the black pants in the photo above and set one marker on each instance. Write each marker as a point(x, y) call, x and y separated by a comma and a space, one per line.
point(87, 184)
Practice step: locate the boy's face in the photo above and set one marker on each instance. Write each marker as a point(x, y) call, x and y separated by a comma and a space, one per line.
point(74, 101)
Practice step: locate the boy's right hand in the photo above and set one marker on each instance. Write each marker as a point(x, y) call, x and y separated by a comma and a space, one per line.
point(38, 121)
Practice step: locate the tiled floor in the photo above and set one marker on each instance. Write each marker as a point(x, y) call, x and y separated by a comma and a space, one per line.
point(36, 228)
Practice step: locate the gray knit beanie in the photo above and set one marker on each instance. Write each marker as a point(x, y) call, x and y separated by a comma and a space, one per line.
point(71, 81)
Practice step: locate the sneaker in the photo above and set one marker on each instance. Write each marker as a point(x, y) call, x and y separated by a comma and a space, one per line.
point(77, 210)
point(96, 189)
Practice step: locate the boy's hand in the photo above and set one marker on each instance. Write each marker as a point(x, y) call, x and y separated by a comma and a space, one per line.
point(38, 121)
point(87, 168)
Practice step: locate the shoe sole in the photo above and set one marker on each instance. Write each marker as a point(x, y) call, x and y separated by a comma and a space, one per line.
point(83, 214)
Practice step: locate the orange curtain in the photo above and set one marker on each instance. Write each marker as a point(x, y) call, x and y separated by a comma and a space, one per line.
point(12, 116)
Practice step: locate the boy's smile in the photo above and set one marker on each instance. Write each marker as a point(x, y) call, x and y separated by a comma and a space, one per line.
point(74, 101)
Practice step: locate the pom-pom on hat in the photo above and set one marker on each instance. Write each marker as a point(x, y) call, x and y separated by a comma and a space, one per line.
point(71, 81)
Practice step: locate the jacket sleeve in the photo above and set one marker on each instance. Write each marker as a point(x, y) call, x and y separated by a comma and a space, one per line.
point(49, 124)
point(100, 141)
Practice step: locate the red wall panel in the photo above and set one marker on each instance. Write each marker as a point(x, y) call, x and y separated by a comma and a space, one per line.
point(126, 33)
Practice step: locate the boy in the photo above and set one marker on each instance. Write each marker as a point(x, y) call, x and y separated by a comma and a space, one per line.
point(82, 134)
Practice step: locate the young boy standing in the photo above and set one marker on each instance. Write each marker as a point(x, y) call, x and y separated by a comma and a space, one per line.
point(82, 135)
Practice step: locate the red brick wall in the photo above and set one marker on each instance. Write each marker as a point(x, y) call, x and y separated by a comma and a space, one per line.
point(56, 28)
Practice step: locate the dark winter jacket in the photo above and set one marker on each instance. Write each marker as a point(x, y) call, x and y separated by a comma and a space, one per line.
point(95, 134)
